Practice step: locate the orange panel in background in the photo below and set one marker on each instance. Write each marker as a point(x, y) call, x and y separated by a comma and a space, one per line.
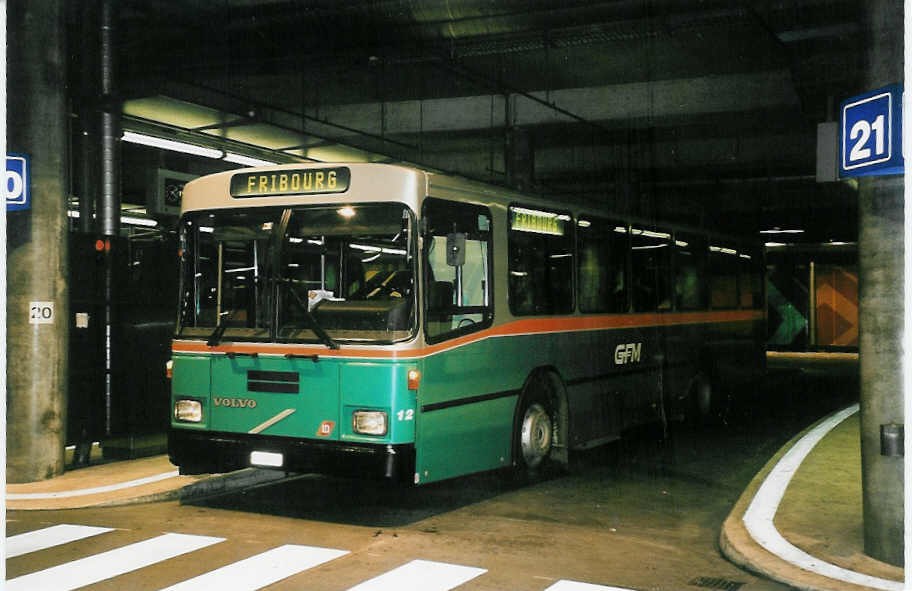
point(837, 305)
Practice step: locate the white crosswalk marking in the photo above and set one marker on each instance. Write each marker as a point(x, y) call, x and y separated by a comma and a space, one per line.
point(261, 570)
point(106, 565)
point(249, 574)
point(575, 586)
point(421, 575)
point(49, 537)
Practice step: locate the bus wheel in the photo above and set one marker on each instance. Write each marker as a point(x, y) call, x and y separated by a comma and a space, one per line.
point(535, 436)
point(535, 433)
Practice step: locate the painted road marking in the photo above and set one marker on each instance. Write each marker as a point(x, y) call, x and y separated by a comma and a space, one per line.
point(106, 565)
point(91, 491)
point(421, 575)
point(576, 586)
point(249, 574)
point(261, 570)
point(49, 537)
point(759, 515)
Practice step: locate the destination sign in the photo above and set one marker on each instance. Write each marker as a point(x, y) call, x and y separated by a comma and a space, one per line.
point(305, 181)
point(538, 222)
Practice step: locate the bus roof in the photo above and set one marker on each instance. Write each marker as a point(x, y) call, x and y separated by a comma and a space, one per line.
point(301, 183)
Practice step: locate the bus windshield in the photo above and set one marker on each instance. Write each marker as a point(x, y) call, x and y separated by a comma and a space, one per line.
point(298, 274)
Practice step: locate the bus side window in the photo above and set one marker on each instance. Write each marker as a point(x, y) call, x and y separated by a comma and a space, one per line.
point(602, 266)
point(723, 283)
point(457, 296)
point(650, 266)
point(690, 272)
point(750, 279)
point(540, 262)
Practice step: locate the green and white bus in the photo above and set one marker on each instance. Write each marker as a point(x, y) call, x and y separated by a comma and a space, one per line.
point(382, 321)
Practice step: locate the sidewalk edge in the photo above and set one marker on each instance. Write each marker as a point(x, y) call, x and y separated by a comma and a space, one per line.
point(739, 547)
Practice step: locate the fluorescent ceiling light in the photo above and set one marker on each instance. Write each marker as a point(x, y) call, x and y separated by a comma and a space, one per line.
point(129, 220)
point(174, 146)
point(780, 231)
point(246, 160)
point(138, 221)
point(651, 234)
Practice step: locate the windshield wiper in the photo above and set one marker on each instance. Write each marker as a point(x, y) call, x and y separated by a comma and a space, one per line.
point(311, 321)
point(219, 331)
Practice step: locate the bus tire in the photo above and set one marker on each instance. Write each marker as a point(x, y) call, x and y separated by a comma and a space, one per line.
point(534, 435)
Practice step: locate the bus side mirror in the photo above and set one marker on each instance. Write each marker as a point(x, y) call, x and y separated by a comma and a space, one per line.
point(455, 249)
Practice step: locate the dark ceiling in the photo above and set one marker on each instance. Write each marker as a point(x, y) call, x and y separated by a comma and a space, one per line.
point(701, 110)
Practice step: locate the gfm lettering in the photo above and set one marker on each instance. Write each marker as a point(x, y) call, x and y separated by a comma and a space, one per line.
point(627, 353)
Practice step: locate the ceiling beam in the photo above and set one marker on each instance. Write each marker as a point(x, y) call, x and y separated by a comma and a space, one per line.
point(616, 103)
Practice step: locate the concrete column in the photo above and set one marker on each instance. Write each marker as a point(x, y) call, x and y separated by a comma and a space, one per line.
point(880, 311)
point(37, 241)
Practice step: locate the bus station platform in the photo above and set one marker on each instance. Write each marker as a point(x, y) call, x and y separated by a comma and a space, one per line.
point(799, 522)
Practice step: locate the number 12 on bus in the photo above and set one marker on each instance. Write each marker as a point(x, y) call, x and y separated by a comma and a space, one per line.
point(413, 326)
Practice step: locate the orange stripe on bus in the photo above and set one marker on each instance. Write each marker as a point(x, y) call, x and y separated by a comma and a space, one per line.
point(530, 326)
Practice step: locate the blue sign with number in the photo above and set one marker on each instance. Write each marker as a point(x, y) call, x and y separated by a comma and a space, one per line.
point(18, 182)
point(870, 133)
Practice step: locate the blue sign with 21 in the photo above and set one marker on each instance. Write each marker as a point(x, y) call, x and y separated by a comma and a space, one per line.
point(870, 133)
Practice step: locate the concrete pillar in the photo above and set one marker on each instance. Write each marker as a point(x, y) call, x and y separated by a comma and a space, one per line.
point(880, 311)
point(37, 241)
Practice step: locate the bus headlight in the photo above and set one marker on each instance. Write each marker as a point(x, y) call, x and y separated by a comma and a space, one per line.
point(369, 422)
point(188, 411)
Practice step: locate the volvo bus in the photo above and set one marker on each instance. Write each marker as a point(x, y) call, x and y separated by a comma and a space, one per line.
point(377, 320)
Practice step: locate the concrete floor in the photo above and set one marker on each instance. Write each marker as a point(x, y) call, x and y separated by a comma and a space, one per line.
point(642, 513)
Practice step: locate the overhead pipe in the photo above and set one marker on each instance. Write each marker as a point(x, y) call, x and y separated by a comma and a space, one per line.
point(110, 127)
point(109, 207)
point(88, 124)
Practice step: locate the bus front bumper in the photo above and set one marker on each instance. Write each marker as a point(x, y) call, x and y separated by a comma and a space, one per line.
point(207, 452)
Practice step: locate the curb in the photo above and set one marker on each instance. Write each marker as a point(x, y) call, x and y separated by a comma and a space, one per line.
point(181, 488)
point(739, 547)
